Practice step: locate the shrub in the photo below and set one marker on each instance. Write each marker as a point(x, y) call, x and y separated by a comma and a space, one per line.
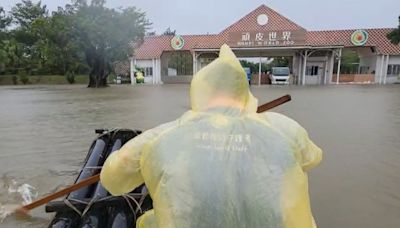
point(23, 77)
point(70, 76)
point(112, 78)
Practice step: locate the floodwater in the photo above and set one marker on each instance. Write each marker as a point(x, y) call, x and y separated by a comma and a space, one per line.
point(45, 132)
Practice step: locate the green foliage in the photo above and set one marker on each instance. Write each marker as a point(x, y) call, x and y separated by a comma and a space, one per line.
point(83, 37)
point(265, 66)
point(350, 63)
point(251, 65)
point(23, 77)
point(5, 20)
point(112, 78)
point(139, 69)
point(26, 12)
point(394, 36)
point(106, 35)
point(70, 76)
point(182, 61)
point(279, 62)
point(169, 32)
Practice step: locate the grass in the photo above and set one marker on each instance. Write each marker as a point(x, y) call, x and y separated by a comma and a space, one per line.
point(44, 79)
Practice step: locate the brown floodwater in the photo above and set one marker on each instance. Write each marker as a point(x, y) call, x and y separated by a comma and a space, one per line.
point(45, 132)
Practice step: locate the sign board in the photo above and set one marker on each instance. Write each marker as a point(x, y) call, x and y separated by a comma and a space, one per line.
point(177, 42)
point(269, 38)
point(359, 37)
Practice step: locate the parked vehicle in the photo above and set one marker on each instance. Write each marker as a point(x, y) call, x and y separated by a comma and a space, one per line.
point(280, 75)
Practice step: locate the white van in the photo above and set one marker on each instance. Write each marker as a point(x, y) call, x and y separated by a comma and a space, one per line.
point(280, 75)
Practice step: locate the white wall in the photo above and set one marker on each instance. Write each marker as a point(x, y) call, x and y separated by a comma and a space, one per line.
point(367, 58)
point(156, 65)
point(392, 79)
point(378, 69)
point(144, 62)
point(381, 72)
point(331, 65)
point(319, 61)
point(158, 71)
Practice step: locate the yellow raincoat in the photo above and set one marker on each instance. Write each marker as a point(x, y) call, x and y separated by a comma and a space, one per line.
point(221, 164)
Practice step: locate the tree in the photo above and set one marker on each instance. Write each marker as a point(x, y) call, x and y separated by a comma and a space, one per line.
point(5, 21)
point(12, 52)
point(394, 36)
point(279, 62)
point(25, 13)
point(254, 66)
point(57, 43)
point(106, 35)
point(82, 37)
point(169, 32)
point(182, 62)
point(350, 62)
point(24, 40)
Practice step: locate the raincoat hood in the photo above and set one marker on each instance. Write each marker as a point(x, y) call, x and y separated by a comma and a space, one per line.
point(223, 78)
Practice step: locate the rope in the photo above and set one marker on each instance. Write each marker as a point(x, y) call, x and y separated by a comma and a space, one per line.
point(127, 197)
point(69, 204)
point(88, 206)
point(112, 133)
point(142, 200)
point(129, 204)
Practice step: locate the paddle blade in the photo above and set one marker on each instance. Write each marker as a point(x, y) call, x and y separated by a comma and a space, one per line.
point(12, 209)
point(21, 213)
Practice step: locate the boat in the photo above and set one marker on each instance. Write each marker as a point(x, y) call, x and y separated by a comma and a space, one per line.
point(93, 206)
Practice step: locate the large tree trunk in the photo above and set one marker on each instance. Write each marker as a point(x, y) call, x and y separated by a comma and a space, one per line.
point(99, 72)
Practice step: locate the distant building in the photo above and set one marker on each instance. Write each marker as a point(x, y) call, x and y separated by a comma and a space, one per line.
point(315, 56)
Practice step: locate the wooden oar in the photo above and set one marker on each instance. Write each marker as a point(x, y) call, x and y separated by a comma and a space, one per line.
point(274, 103)
point(93, 179)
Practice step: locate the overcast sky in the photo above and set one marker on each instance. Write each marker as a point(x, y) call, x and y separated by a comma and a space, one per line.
point(212, 16)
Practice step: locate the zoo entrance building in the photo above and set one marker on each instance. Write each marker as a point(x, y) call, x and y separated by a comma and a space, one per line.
point(314, 56)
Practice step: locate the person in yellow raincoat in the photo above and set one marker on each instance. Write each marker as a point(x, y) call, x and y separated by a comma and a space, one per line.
point(139, 77)
point(221, 164)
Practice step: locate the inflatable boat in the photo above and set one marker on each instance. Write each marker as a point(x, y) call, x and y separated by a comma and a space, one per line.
point(93, 206)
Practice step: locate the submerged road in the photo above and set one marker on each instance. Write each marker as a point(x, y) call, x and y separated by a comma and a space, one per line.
point(45, 132)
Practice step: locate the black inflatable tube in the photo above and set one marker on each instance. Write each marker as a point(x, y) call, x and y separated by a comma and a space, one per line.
point(100, 216)
point(109, 215)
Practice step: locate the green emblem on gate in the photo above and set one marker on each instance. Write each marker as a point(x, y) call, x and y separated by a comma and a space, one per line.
point(359, 37)
point(177, 42)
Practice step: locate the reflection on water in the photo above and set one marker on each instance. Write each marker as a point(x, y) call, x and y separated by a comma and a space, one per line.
point(47, 130)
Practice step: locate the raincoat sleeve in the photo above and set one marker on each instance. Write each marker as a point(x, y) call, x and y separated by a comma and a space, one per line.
point(308, 154)
point(121, 171)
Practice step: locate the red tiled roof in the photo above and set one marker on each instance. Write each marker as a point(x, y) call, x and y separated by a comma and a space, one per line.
point(376, 38)
point(152, 47)
point(276, 22)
